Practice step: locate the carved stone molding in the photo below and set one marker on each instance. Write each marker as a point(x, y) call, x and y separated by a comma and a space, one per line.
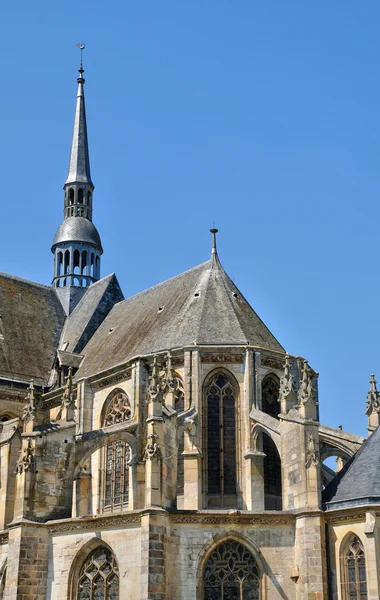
point(111, 379)
point(101, 523)
point(232, 519)
point(26, 460)
point(346, 517)
point(4, 539)
point(221, 358)
point(177, 361)
point(272, 363)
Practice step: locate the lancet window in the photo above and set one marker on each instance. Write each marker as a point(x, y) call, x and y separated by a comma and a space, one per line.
point(231, 573)
point(116, 460)
point(99, 576)
point(269, 393)
point(117, 408)
point(353, 571)
point(221, 438)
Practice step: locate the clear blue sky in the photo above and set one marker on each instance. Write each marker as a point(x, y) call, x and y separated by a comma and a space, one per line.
point(259, 117)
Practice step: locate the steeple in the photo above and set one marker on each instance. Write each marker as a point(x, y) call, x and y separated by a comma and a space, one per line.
point(77, 247)
point(79, 165)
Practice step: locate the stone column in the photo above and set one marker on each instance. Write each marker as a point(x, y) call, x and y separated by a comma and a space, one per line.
point(27, 564)
point(154, 537)
point(254, 469)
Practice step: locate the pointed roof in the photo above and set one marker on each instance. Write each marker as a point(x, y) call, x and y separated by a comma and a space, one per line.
point(90, 312)
point(359, 481)
point(201, 306)
point(79, 165)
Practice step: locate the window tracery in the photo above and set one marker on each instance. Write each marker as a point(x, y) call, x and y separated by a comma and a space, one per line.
point(117, 459)
point(354, 580)
point(99, 576)
point(117, 408)
point(231, 573)
point(270, 391)
point(221, 436)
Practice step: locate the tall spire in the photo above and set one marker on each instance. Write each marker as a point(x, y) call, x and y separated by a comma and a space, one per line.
point(79, 165)
point(77, 247)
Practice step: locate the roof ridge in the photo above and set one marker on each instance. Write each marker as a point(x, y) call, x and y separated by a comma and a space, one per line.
point(28, 281)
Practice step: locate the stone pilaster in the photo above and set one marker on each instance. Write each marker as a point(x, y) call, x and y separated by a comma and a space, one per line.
point(372, 549)
point(192, 498)
point(254, 472)
point(82, 493)
point(153, 466)
point(300, 464)
point(27, 564)
point(310, 555)
point(154, 537)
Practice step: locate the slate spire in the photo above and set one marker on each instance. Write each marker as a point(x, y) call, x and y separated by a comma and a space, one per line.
point(77, 246)
point(79, 165)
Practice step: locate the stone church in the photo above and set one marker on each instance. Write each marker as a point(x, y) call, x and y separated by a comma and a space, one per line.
point(166, 446)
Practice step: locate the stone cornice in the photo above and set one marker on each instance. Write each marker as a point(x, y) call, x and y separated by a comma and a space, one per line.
point(101, 522)
point(235, 518)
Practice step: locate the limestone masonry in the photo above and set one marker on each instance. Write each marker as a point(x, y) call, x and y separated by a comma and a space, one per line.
point(165, 446)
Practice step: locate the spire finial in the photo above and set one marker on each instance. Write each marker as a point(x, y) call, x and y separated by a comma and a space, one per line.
point(81, 47)
point(213, 232)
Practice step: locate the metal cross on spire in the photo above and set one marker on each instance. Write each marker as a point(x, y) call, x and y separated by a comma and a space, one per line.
point(81, 47)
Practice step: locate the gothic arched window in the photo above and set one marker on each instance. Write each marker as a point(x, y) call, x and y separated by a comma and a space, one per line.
point(116, 460)
point(231, 573)
point(117, 408)
point(353, 571)
point(269, 393)
point(221, 439)
point(99, 576)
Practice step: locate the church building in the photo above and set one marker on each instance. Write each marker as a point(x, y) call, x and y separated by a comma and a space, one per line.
point(166, 446)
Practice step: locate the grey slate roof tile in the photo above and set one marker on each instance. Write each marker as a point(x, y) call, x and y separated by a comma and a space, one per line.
point(31, 322)
point(199, 306)
point(359, 480)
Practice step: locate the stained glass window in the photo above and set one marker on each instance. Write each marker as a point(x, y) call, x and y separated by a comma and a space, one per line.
point(221, 436)
point(353, 572)
point(117, 457)
point(269, 394)
point(99, 577)
point(231, 573)
point(117, 408)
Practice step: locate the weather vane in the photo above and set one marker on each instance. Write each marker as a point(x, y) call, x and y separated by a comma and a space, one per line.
point(81, 47)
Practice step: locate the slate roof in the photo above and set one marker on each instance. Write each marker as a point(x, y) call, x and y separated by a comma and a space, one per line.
point(77, 229)
point(31, 322)
point(200, 306)
point(89, 313)
point(359, 481)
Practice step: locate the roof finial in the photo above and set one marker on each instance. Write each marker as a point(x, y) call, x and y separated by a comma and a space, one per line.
point(213, 232)
point(81, 47)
